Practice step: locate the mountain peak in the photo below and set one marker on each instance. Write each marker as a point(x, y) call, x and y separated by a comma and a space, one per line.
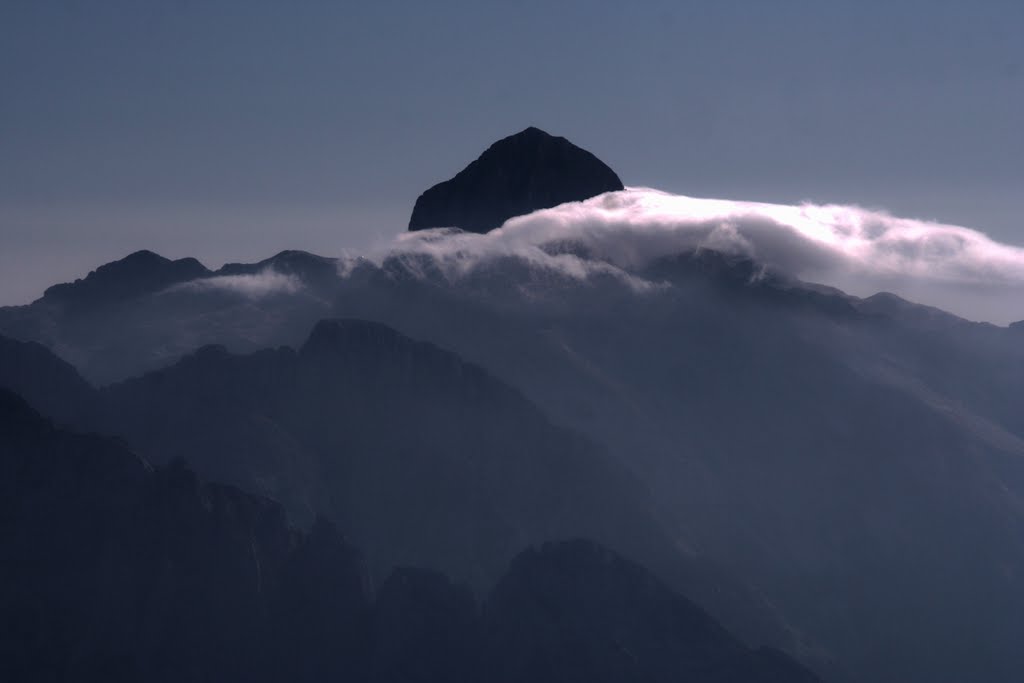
point(516, 175)
point(532, 131)
point(141, 272)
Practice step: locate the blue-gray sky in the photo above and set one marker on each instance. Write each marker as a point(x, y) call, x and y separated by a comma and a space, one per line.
point(231, 130)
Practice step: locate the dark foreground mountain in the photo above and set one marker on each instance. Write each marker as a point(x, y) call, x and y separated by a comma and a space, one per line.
point(516, 175)
point(114, 571)
point(616, 618)
point(422, 458)
point(53, 385)
point(119, 572)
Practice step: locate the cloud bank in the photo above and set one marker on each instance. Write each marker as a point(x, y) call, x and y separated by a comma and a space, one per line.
point(253, 286)
point(854, 249)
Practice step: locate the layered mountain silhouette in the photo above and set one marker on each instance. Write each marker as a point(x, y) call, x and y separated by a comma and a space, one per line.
point(836, 475)
point(143, 311)
point(120, 572)
point(847, 460)
point(794, 438)
point(833, 452)
point(516, 175)
point(142, 273)
point(424, 459)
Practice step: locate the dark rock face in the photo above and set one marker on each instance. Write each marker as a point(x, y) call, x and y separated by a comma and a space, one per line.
point(322, 606)
point(426, 628)
point(525, 172)
point(54, 386)
point(574, 611)
point(124, 573)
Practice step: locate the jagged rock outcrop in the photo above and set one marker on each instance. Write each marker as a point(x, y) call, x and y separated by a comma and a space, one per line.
point(525, 172)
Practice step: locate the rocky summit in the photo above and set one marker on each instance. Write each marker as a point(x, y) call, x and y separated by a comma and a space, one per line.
point(525, 172)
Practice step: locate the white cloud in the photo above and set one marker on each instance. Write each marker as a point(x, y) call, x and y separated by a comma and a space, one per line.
point(857, 250)
point(254, 286)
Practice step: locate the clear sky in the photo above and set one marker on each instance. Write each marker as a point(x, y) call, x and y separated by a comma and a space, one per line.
point(229, 130)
